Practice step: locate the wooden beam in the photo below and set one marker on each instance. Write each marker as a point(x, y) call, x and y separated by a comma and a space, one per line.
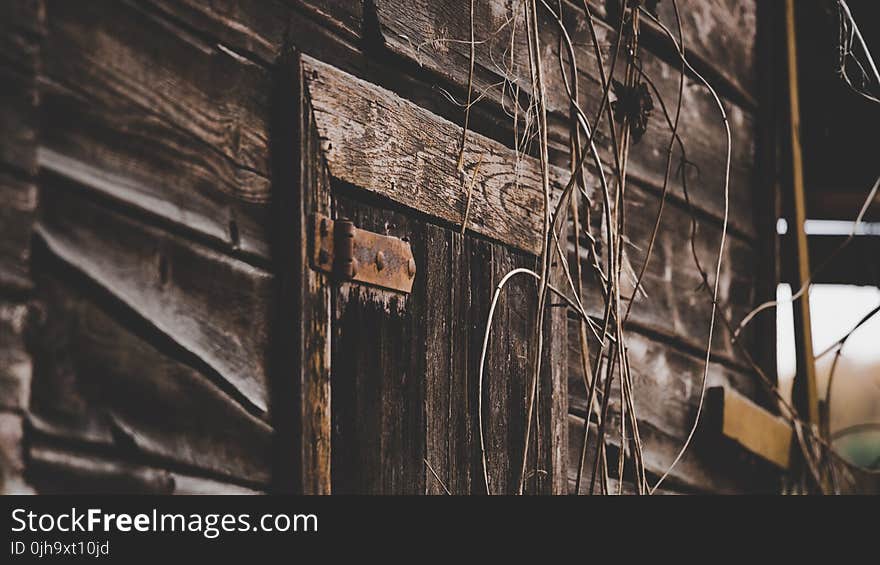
point(805, 347)
point(751, 426)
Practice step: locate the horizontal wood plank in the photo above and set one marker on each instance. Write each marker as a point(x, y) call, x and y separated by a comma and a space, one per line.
point(214, 307)
point(666, 390)
point(182, 121)
point(694, 472)
point(666, 381)
point(754, 428)
point(99, 381)
point(411, 159)
point(435, 35)
point(626, 486)
point(718, 34)
point(63, 470)
point(722, 34)
point(673, 299)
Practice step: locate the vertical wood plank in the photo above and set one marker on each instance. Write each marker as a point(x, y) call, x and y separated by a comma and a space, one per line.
point(378, 350)
point(439, 319)
point(460, 406)
point(315, 375)
point(301, 349)
point(806, 380)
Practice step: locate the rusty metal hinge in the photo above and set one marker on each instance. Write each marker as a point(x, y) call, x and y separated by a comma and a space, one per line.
point(350, 253)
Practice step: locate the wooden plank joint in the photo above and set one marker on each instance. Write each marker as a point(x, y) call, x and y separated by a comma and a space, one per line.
point(353, 254)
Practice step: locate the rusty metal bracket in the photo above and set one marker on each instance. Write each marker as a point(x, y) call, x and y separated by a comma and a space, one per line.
point(352, 254)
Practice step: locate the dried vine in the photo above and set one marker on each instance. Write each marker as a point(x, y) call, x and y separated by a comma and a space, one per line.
point(626, 106)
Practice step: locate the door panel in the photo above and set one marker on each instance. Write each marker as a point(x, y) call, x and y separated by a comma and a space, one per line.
point(403, 369)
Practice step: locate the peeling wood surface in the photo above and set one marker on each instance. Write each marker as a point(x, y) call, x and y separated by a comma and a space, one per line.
point(313, 311)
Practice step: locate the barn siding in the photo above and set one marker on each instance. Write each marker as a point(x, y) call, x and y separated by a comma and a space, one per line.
point(21, 32)
point(154, 249)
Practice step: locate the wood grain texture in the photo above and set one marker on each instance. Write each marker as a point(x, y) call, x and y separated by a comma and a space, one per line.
point(16, 367)
point(722, 34)
point(449, 403)
point(556, 366)
point(719, 35)
point(436, 46)
point(435, 35)
point(405, 368)
point(262, 29)
point(182, 122)
point(57, 469)
point(627, 486)
point(17, 214)
point(98, 382)
point(378, 405)
point(695, 472)
point(213, 307)
point(313, 308)
point(163, 109)
point(666, 389)
point(673, 301)
point(412, 159)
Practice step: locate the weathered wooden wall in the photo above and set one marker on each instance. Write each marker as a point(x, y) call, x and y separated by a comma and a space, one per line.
point(22, 26)
point(149, 128)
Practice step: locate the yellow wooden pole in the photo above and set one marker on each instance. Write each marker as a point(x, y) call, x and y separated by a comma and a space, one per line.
point(803, 258)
